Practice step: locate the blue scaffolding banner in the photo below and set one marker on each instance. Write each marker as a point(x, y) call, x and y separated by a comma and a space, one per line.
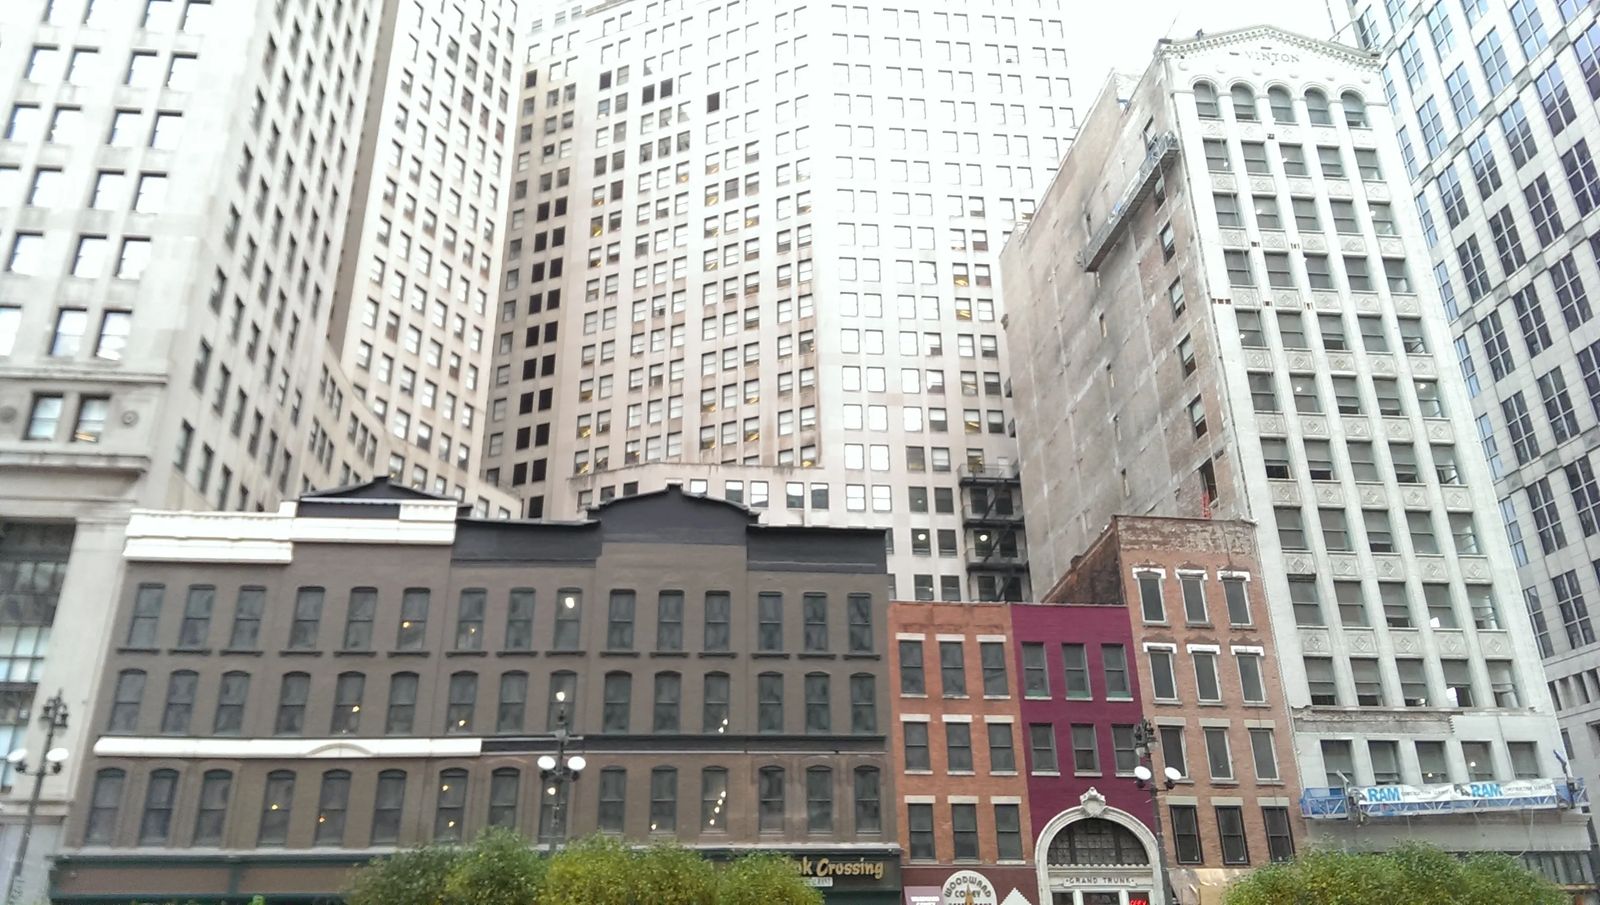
point(1442, 798)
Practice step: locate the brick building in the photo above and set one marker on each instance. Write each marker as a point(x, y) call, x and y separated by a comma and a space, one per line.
point(957, 736)
point(1208, 678)
point(290, 694)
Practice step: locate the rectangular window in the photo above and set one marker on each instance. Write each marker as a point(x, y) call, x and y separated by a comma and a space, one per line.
point(1230, 825)
point(958, 747)
point(1035, 673)
point(1085, 749)
point(952, 669)
point(992, 655)
point(1041, 747)
point(1185, 833)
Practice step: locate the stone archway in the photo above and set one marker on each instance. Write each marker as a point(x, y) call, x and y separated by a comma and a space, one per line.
point(1096, 853)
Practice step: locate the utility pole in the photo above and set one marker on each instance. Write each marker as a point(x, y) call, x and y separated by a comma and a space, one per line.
point(54, 716)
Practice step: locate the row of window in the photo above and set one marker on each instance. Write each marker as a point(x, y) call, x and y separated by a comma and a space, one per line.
point(332, 824)
point(1006, 827)
point(461, 714)
point(1086, 743)
point(470, 634)
point(1367, 682)
point(1432, 762)
point(1281, 103)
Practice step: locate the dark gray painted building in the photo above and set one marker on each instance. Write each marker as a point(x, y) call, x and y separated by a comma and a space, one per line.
point(292, 693)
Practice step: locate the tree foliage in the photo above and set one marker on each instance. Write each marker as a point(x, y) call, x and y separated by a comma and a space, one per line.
point(1414, 874)
point(503, 868)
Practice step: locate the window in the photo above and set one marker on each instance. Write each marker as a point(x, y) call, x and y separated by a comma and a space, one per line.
point(1042, 747)
point(1207, 686)
point(719, 610)
point(1218, 756)
point(1236, 597)
point(347, 693)
point(211, 810)
point(916, 745)
point(1205, 101)
point(1151, 604)
point(818, 711)
point(1185, 833)
point(1114, 663)
point(231, 695)
point(770, 799)
point(1085, 749)
point(333, 801)
point(819, 800)
point(511, 713)
point(919, 821)
point(387, 806)
point(769, 702)
point(992, 654)
point(952, 670)
point(307, 619)
point(400, 716)
point(1230, 824)
point(1163, 679)
point(1194, 597)
point(359, 618)
point(769, 622)
point(663, 800)
point(618, 702)
point(292, 695)
point(105, 798)
point(1002, 755)
point(275, 804)
point(1075, 664)
point(1035, 673)
point(450, 808)
point(569, 615)
point(155, 824)
point(619, 621)
point(911, 674)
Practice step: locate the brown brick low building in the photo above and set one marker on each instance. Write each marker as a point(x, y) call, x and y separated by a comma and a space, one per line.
point(1209, 679)
point(293, 693)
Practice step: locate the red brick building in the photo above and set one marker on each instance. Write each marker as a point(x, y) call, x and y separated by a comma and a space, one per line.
point(959, 746)
point(1209, 682)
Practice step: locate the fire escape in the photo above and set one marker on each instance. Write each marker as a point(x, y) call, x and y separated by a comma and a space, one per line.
point(991, 512)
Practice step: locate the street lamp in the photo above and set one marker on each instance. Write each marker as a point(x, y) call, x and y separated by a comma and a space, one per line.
point(54, 717)
point(557, 771)
point(1144, 743)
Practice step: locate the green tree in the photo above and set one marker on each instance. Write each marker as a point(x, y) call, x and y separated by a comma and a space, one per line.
point(503, 868)
point(1414, 874)
point(764, 879)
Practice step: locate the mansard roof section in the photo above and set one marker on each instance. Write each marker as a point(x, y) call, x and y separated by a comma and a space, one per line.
point(377, 489)
point(1268, 43)
point(376, 499)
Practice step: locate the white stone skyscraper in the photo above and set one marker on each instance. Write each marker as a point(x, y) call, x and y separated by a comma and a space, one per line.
point(1495, 105)
point(753, 248)
point(192, 196)
point(1216, 312)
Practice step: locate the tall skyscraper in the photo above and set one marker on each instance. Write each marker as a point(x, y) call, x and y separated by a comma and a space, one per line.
point(423, 241)
point(191, 198)
point(754, 248)
point(174, 176)
point(1214, 314)
point(1494, 103)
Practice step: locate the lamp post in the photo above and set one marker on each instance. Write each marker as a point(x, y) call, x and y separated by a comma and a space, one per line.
point(54, 717)
point(1144, 742)
point(557, 771)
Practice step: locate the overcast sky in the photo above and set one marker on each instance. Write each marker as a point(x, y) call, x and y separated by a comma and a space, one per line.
point(1120, 34)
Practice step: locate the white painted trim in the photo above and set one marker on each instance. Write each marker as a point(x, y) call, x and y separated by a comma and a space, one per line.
point(947, 637)
point(1231, 573)
point(993, 639)
point(1248, 649)
point(955, 717)
point(996, 718)
point(910, 636)
point(1047, 835)
point(1149, 570)
point(285, 748)
point(921, 799)
point(1203, 648)
point(914, 718)
point(1160, 645)
point(964, 799)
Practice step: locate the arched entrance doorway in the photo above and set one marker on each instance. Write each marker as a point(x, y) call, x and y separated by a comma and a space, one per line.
point(1095, 854)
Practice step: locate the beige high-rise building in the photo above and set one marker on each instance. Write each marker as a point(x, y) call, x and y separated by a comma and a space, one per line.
point(1217, 312)
point(181, 183)
point(753, 248)
point(423, 241)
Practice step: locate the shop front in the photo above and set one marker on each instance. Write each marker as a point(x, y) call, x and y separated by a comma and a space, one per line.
point(1095, 854)
point(977, 885)
point(848, 878)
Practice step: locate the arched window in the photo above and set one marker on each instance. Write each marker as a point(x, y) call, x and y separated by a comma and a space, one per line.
point(819, 706)
point(1355, 110)
point(1282, 104)
point(181, 687)
point(451, 808)
point(293, 692)
point(618, 702)
point(1205, 101)
point(513, 702)
point(663, 800)
point(155, 825)
point(387, 806)
point(714, 704)
point(402, 711)
point(714, 799)
point(212, 813)
point(505, 788)
point(463, 701)
point(769, 702)
point(869, 812)
point(1244, 104)
point(276, 803)
point(104, 801)
point(1317, 108)
point(863, 703)
point(669, 692)
point(332, 804)
point(125, 701)
point(613, 799)
point(231, 695)
point(348, 690)
point(770, 795)
point(819, 800)
point(563, 701)
point(1099, 842)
